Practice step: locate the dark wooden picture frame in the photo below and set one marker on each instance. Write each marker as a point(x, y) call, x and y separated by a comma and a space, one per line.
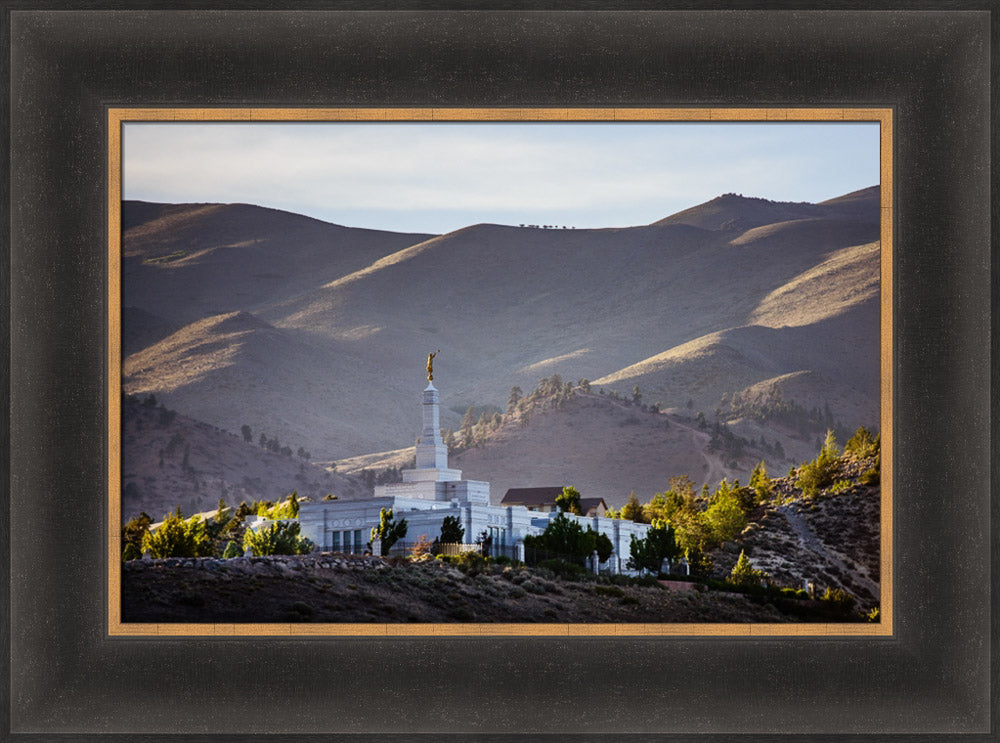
point(67, 675)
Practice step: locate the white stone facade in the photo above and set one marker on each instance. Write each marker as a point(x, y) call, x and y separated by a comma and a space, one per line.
point(430, 492)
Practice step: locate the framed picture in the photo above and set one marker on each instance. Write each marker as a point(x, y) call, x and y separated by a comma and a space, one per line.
point(809, 272)
point(77, 75)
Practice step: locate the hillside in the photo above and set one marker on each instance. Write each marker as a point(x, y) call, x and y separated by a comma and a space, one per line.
point(182, 262)
point(170, 460)
point(601, 443)
point(336, 588)
point(831, 539)
point(730, 299)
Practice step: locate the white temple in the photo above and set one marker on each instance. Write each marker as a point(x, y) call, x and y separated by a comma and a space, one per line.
point(431, 491)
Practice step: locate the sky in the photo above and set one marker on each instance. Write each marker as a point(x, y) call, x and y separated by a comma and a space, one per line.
point(439, 177)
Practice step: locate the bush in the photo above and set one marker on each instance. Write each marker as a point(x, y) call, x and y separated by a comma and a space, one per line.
point(839, 597)
point(871, 477)
point(280, 538)
point(563, 569)
point(613, 591)
point(178, 537)
point(470, 563)
point(232, 550)
point(131, 552)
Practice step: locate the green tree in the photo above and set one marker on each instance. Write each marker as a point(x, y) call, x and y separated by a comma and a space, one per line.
point(388, 530)
point(452, 531)
point(565, 536)
point(178, 537)
point(636, 395)
point(135, 530)
point(724, 516)
point(744, 573)
point(761, 482)
point(247, 433)
point(818, 474)
point(568, 501)
point(862, 444)
point(632, 510)
point(279, 538)
point(131, 552)
point(650, 551)
point(287, 509)
point(516, 393)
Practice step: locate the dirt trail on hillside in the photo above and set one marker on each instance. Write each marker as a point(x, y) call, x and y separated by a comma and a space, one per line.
point(809, 540)
point(716, 470)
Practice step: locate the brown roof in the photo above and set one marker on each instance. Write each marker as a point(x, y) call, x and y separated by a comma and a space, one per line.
point(531, 496)
point(544, 497)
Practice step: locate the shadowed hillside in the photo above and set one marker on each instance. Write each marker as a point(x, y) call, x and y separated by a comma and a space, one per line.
point(320, 333)
point(170, 460)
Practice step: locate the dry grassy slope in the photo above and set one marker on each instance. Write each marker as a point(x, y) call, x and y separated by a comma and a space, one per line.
point(235, 369)
point(505, 306)
point(182, 262)
point(803, 338)
point(220, 464)
point(601, 447)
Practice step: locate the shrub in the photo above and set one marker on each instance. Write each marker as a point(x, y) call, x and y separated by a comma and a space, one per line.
point(178, 537)
point(421, 548)
point(280, 538)
point(871, 477)
point(839, 597)
point(131, 552)
point(470, 563)
point(562, 569)
point(232, 550)
point(614, 591)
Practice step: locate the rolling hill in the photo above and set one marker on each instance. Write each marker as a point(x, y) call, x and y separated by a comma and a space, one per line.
point(319, 333)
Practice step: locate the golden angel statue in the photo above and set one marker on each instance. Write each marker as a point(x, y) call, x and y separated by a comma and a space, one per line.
point(430, 365)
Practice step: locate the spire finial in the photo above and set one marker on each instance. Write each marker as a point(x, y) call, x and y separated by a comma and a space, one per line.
point(430, 365)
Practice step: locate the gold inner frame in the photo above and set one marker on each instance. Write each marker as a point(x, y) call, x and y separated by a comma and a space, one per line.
point(119, 116)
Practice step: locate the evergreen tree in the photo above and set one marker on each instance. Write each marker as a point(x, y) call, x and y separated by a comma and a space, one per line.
point(744, 573)
point(632, 510)
point(515, 397)
point(658, 544)
point(452, 531)
point(247, 433)
point(760, 482)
